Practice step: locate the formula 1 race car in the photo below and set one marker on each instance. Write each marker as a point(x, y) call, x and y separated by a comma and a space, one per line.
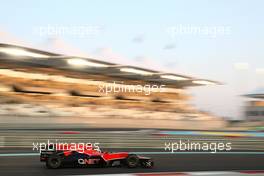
point(60, 156)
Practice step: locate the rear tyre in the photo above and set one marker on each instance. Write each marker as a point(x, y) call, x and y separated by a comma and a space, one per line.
point(132, 161)
point(102, 163)
point(53, 162)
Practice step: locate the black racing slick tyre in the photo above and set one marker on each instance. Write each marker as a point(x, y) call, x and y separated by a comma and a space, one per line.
point(132, 161)
point(147, 163)
point(53, 162)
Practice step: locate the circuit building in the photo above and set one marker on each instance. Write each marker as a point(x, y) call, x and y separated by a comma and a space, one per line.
point(254, 110)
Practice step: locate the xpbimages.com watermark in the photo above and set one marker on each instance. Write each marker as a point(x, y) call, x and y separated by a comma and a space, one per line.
point(56, 145)
point(70, 30)
point(119, 87)
point(186, 145)
point(198, 30)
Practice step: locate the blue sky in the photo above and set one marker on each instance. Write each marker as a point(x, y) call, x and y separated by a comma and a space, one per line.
point(137, 32)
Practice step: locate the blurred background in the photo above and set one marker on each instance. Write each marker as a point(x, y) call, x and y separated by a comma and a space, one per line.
point(55, 57)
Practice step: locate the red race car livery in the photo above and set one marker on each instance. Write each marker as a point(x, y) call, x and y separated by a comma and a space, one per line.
point(62, 155)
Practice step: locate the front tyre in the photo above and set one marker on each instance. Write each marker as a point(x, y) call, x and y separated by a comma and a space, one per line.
point(147, 163)
point(53, 162)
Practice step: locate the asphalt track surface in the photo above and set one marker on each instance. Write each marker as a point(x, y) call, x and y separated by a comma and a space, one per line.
point(30, 165)
point(21, 161)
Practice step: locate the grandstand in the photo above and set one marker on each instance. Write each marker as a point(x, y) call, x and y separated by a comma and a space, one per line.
point(36, 83)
